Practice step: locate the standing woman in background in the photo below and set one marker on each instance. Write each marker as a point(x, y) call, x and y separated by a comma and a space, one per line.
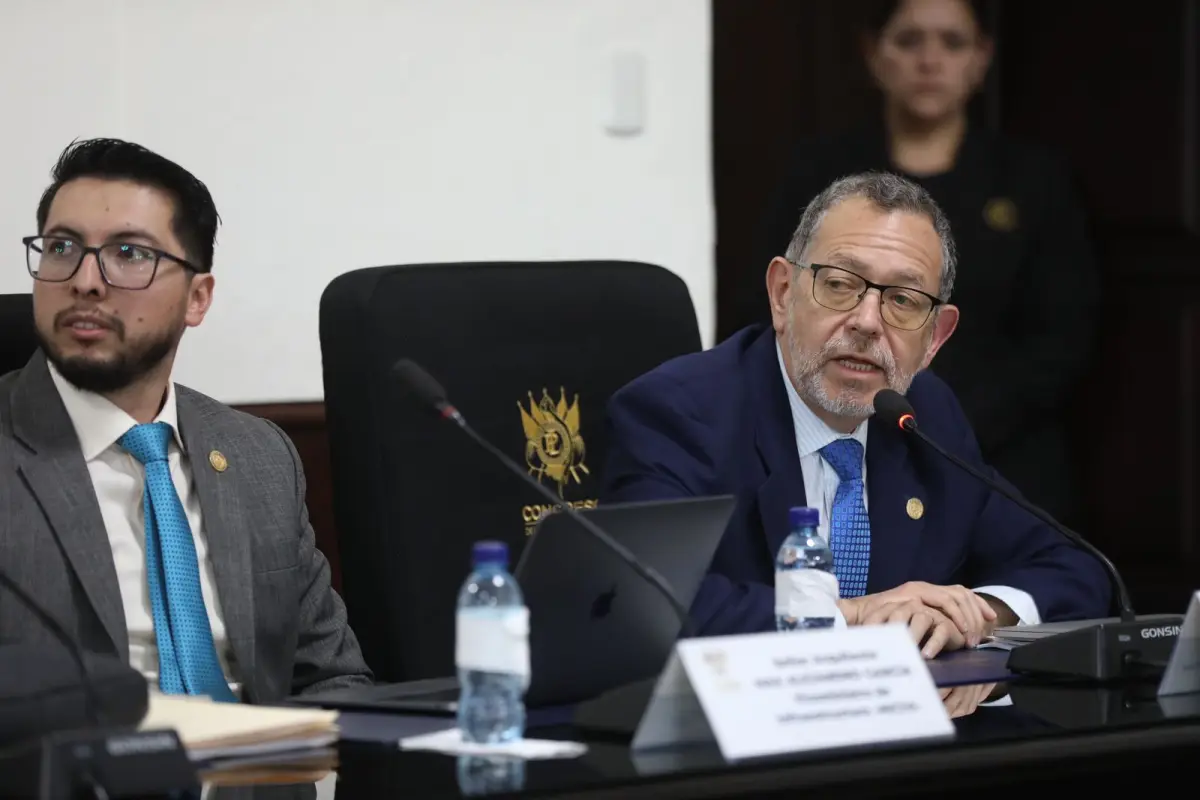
point(1026, 281)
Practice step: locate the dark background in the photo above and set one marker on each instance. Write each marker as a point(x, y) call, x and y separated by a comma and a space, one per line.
point(1115, 90)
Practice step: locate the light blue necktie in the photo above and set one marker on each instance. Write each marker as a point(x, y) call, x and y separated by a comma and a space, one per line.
point(187, 657)
point(850, 529)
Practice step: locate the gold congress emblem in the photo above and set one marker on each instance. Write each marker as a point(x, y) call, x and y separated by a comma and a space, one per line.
point(719, 662)
point(553, 445)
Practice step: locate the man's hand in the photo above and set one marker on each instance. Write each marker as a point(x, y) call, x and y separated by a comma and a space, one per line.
point(932, 630)
point(963, 700)
point(971, 614)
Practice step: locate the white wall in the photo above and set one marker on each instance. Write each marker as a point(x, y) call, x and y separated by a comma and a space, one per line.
point(337, 134)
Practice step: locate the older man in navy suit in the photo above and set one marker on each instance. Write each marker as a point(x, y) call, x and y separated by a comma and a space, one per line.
point(782, 417)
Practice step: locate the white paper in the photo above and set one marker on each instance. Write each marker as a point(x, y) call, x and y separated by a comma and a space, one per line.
point(493, 640)
point(998, 644)
point(451, 743)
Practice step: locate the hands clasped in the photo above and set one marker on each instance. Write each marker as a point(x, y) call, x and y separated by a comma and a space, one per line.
point(938, 617)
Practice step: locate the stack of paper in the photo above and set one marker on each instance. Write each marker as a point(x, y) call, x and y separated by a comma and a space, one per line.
point(210, 731)
point(1017, 635)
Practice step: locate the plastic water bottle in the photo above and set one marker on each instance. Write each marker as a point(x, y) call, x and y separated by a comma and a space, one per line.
point(491, 649)
point(806, 590)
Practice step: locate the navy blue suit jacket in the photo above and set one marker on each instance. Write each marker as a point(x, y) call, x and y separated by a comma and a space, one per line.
point(719, 422)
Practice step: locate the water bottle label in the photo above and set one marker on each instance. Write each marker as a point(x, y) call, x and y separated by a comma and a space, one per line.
point(493, 640)
point(802, 593)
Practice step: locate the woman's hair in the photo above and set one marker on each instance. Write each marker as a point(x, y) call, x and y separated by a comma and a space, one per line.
point(880, 12)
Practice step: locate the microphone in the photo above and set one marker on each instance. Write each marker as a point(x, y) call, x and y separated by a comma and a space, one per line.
point(55, 745)
point(429, 392)
point(892, 407)
point(1099, 649)
point(91, 705)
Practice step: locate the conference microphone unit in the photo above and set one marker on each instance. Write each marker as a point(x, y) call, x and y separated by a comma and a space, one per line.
point(68, 725)
point(431, 394)
point(1128, 646)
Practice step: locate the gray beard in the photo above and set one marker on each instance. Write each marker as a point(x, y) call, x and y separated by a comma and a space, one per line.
point(851, 402)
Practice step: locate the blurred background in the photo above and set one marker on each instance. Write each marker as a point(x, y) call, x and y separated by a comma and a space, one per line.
point(1063, 137)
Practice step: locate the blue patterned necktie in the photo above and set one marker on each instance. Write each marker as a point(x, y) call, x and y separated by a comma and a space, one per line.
point(850, 529)
point(187, 657)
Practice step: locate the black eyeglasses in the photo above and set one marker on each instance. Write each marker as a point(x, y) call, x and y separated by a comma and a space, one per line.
point(841, 290)
point(56, 259)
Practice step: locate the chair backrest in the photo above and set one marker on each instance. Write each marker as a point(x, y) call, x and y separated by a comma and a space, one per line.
point(17, 339)
point(530, 354)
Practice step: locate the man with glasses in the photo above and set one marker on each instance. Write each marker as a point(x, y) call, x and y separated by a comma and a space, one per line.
point(781, 416)
point(154, 523)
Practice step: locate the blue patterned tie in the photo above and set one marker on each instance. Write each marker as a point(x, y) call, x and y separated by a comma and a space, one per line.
point(187, 657)
point(850, 529)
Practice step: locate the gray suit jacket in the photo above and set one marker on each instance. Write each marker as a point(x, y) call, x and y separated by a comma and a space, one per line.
point(286, 626)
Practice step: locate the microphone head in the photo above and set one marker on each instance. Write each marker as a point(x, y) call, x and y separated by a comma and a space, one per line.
point(420, 383)
point(894, 409)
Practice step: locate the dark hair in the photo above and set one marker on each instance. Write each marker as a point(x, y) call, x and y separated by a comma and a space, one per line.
point(880, 13)
point(195, 219)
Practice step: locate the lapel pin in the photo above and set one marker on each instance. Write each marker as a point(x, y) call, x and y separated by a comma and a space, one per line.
point(915, 508)
point(217, 459)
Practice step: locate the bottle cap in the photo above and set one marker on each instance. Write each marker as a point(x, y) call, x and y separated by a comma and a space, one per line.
point(802, 517)
point(489, 552)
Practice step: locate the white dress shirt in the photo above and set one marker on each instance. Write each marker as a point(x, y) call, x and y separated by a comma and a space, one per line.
point(119, 480)
point(821, 482)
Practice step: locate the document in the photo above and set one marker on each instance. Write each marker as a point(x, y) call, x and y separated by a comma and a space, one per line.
point(212, 731)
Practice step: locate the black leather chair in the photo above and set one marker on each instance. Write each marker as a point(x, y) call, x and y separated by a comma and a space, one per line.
point(530, 354)
point(17, 339)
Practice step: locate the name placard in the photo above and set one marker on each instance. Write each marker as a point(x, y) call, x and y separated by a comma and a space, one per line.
point(769, 694)
point(1182, 675)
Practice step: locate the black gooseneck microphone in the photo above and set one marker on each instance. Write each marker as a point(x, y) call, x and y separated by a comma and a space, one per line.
point(892, 407)
point(430, 392)
point(91, 705)
point(1131, 646)
point(52, 749)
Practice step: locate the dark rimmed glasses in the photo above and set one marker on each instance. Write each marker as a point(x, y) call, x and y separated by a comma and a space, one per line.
point(123, 265)
point(840, 289)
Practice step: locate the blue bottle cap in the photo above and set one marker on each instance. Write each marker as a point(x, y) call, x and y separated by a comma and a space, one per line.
point(802, 517)
point(489, 552)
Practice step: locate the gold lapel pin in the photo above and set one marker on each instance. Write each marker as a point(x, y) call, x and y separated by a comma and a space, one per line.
point(217, 459)
point(915, 508)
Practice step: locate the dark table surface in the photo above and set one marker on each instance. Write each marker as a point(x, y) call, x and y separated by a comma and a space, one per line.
point(1038, 735)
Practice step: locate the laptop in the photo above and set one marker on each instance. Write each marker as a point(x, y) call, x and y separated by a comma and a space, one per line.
point(595, 624)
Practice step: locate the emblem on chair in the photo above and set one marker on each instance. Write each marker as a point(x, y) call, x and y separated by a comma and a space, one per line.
point(553, 448)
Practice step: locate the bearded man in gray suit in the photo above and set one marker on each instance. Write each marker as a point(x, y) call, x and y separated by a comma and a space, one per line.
point(155, 523)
